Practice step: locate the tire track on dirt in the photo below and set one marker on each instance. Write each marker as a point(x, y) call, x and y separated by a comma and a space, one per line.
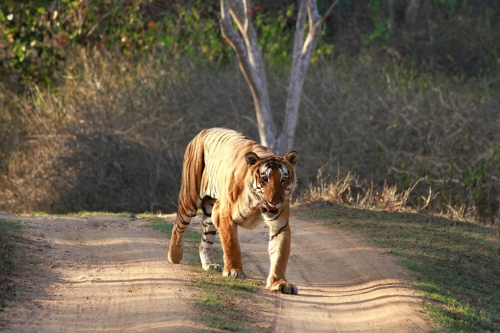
point(344, 284)
point(113, 276)
point(110, 274)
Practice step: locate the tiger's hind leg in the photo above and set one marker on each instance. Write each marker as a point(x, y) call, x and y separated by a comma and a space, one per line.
point(189, 197)
point(188, 207)
point(175, 248)
point(207, 239)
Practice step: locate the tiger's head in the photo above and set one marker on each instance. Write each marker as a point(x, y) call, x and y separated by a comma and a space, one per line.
point(273, 180)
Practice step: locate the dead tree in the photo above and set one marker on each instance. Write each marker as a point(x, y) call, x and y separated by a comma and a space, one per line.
point(252, 65)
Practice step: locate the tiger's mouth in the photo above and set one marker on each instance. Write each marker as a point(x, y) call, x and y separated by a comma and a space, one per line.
point(269, 211)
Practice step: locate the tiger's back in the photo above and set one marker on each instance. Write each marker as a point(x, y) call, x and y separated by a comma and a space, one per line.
point(224, 156)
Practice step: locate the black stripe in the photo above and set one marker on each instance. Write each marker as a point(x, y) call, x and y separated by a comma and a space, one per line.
point(241, 215)
point(210, 233)
point(184, 222)
point(279, 231)
point(193, 203)
point(277, 216)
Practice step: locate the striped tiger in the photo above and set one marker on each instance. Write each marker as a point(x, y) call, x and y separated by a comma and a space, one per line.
point(237, 183)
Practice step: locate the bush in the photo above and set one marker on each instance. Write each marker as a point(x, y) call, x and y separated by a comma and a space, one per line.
point(39, 37)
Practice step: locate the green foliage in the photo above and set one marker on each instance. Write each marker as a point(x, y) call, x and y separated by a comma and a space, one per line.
point(276, 33)
point(41, 37)
point(37, 37)
point(380, 30)
point(193, 32)
point(275, 37)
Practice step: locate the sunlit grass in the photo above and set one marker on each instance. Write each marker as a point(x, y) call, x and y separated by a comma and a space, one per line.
point(9, 231)
point(222, 301)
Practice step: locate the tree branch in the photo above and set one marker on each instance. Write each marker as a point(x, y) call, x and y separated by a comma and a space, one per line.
point(245, 44)
point(302, 53)
point(251, 63)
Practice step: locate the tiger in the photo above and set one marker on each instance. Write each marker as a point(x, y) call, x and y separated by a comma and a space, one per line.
point(237, 183)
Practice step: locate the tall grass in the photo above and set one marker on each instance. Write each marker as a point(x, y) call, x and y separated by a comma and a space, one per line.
point(113, 136)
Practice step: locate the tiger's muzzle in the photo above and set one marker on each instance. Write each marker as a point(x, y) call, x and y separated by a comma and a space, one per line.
point(270, 210)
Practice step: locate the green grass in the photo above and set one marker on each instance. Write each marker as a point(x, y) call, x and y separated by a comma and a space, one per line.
point(222, 302)
point(456, 264)
point(9, 232)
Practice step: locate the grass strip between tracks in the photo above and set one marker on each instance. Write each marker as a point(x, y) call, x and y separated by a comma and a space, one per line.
point(10, 233)
point(221, 302)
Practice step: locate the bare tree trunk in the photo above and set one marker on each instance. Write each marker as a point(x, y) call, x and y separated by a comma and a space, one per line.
point(302, 53)
point(392, 18)
point(252, 65)
point(411, 13)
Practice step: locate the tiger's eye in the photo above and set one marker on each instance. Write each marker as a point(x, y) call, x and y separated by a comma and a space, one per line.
point(283, 180)
point(265, 179)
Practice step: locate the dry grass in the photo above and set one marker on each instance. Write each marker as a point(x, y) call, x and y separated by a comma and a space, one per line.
point(349, 190)
point(113, 136)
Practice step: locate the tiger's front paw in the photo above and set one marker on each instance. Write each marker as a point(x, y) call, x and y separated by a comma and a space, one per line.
point(235, 273)
point(212, 267)
point(282, 286)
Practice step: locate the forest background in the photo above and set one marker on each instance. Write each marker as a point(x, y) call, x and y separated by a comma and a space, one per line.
point(98, 100)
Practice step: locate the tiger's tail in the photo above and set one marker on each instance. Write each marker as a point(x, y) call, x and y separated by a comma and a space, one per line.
point(189, 195)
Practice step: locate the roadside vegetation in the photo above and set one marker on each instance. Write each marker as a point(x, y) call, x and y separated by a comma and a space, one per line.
point(454, 264)
point(10, 234)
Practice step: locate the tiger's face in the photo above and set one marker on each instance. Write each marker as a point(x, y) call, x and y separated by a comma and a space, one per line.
point(273, 180)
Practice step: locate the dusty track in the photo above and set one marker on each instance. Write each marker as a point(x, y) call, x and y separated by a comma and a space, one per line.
point(110, 274)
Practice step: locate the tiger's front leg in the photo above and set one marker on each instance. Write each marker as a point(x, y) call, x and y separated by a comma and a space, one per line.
point(208, 236)
point(279, 251)
point(228, 231)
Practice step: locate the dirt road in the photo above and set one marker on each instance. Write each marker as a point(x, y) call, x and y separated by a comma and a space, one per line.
point(110, 274)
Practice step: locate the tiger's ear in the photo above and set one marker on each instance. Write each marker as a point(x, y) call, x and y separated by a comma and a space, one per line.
point(251, 158)
point(292, 156)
